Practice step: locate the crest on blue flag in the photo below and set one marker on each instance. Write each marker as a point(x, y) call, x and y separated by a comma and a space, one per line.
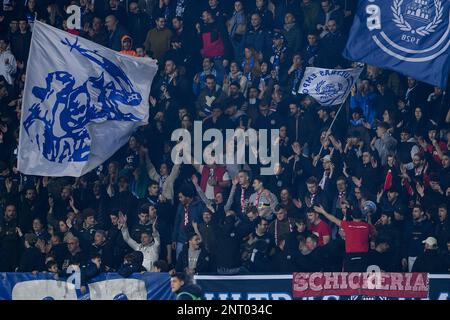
point(408, 36)
point(82, 101)
point(328, 86)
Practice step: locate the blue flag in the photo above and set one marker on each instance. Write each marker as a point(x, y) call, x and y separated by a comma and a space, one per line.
point(408, 36)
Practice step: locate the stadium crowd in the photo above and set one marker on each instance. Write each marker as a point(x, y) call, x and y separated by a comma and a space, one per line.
point(373, 189)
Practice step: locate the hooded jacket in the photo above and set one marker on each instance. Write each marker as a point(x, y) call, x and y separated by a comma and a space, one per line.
point(129, 52)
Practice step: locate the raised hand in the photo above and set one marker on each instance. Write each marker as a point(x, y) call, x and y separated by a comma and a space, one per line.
point(72, 202)
point(155, 224)
point(297, 203)
point(8, 185)
point(69, 223)
point(319, 209)
point(420, 189)
point(19, 232)
point(357, 182)
point(379, 195)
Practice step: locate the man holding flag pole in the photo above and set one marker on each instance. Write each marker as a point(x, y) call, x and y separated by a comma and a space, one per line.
point(329, 87)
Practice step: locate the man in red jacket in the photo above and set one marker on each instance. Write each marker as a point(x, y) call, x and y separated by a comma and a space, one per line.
point(357, 233)
point(215, 42)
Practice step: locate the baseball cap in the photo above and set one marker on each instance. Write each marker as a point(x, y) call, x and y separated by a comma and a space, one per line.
point(431, 241)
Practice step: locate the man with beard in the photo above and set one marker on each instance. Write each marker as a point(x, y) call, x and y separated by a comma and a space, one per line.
point(212, 94)
point(138, 23)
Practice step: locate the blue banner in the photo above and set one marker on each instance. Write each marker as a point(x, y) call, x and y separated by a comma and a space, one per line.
point(108, 286)
point(156, 286)
point(249, 287)
point(411, 37)
point(439, 287)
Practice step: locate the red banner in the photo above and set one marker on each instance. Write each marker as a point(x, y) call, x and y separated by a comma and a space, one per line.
point(396, 285)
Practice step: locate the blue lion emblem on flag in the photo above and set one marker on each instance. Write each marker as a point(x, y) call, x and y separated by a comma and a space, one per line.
point(66, 110)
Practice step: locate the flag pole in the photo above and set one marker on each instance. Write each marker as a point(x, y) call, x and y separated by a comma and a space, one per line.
point(332, 123)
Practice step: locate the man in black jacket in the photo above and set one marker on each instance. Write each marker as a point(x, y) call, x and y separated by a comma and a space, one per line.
point(116, 32)
point(9, 239)
point(104, 249)
point(312, 260)
point(193, 258)
point(31, 207)
point(138, 23)
point(298, 128)
point(241, 191)
point(228, 244)
point(284, 258)
point(333, 44)
point(143, 225)
point(91, 269)
point(430, 261)
point(20, 43)
point(32, 258)
point(183, 289)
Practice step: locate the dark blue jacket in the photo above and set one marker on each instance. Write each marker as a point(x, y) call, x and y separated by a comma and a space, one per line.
point(415, 233)
point(180, 232)
point(259, 39)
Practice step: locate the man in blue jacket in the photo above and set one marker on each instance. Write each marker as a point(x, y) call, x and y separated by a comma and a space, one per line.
point(258, 38)
point(189, 210)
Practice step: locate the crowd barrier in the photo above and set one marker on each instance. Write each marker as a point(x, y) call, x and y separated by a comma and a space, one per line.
point(299, 286)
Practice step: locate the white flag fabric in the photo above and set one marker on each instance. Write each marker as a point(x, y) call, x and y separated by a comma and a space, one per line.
point(81, 103)
point(328, 86)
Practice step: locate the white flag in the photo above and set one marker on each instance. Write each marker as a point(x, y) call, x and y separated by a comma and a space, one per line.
point(81, 103)
point(328, 86)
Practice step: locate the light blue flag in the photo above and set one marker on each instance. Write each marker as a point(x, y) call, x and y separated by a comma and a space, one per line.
point(328, 87)
point(81, 103)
